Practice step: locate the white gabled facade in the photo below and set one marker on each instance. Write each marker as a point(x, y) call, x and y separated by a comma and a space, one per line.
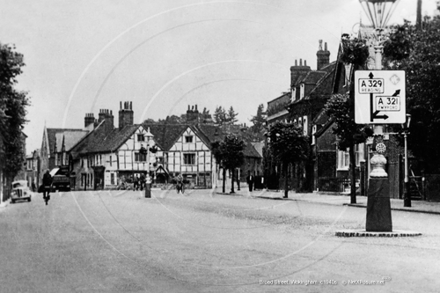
point(128, 160)
point(192, 158)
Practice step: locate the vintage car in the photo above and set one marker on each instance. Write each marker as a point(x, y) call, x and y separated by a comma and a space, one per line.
point(20, 191)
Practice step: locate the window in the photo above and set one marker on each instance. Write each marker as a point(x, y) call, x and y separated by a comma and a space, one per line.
point(112, 178)
point(189, 159)
point(188, 139)
point(359, 150)
point(110, 161)
point(141, 137)
point(138, 157)
point(343, 160)
point(302, 91)
point(344, 157)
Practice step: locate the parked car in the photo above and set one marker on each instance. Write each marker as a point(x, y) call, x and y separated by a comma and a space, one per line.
point(20, 191)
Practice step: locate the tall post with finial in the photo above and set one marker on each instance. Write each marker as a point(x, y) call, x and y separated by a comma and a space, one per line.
point(378, 206)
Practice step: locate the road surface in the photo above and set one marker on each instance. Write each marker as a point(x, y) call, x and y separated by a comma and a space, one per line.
point(117, 241)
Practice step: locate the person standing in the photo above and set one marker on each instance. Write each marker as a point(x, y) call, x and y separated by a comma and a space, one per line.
point(47, 183)
point(250, 181)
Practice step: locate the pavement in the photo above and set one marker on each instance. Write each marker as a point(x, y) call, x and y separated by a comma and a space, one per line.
point(418, 206)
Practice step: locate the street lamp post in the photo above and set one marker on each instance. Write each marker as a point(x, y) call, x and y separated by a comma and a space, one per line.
point(378, 206)
point(407, 194)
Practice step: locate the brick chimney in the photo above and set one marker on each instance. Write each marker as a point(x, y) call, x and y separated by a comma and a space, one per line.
point(298, 71)
point(192, 114)
point(125, 114)
point(323, 56)
point(107, 115)
point(89, 119)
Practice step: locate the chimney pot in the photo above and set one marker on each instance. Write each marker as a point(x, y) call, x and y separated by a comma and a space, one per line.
point(300, 62)
point(325, 46)
point(296, 62)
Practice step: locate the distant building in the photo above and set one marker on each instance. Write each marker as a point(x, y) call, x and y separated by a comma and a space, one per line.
point(33, 169)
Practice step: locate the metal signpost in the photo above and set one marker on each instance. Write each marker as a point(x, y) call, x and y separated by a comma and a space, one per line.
point(379, 99)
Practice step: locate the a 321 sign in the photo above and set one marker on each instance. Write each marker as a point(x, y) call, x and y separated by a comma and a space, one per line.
point(380, 96)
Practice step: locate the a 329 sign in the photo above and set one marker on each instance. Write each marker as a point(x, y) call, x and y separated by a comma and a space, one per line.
point(371, 85)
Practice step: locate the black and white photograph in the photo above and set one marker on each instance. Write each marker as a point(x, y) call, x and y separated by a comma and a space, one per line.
point(219, 146)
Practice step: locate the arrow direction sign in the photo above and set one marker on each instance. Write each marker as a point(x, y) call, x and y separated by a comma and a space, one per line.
point(380, 96)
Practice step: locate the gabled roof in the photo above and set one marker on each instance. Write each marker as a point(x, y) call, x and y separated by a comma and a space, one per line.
point(52, 136)
point(104, 139)
point(68, 138)
point(115, 139)
point(323, 87)
point(324, 84)
point(165, 135)
point(209, 133)
point(250, 151)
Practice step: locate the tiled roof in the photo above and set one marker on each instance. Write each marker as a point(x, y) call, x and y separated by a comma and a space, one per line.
point(103, 139)
point(211, 132)
point(165, 135)
point(51, 136)
point(250, 151)
point(115, 138)
point(258, 147)
point(69, 138)
point(312, 77)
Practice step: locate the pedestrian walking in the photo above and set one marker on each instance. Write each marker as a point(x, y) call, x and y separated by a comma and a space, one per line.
point(47, 185)
point(136, 182)
point(179, 184)
point(250, 181)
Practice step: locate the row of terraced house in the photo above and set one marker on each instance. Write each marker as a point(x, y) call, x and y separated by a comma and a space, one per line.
point(102, 156)
point(327, 169)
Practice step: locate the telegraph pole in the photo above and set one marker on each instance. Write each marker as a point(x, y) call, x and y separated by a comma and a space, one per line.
point(419, 14)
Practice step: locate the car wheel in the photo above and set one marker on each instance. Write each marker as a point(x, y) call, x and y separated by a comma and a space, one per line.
point(29, 199)
point(12, 201)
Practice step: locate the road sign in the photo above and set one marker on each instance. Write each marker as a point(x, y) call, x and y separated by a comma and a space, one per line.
point(380, 97)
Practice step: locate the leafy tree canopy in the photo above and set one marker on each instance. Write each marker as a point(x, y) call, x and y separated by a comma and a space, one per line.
point(12, 109)
point(417, 52)
point(229, 151)
point(340, 108)
point(258, 124)
point(287, 143)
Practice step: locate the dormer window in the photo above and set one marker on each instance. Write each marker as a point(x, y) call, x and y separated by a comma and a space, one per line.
point(302, 91)
point(189, 139)
point(293, 95)
point(141, 137)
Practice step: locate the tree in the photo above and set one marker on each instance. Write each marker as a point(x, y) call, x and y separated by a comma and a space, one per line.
point(417, 52)
point(288, 145)
point(258, 123)
point(12, 110)
point(340, 107)
point(219, 115)
point(231, 117)
point(229, 153)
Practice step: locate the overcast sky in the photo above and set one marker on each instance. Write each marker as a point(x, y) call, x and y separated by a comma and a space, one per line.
point(163, 55)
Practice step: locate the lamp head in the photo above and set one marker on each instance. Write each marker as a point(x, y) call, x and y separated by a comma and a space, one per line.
point(379, 11)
